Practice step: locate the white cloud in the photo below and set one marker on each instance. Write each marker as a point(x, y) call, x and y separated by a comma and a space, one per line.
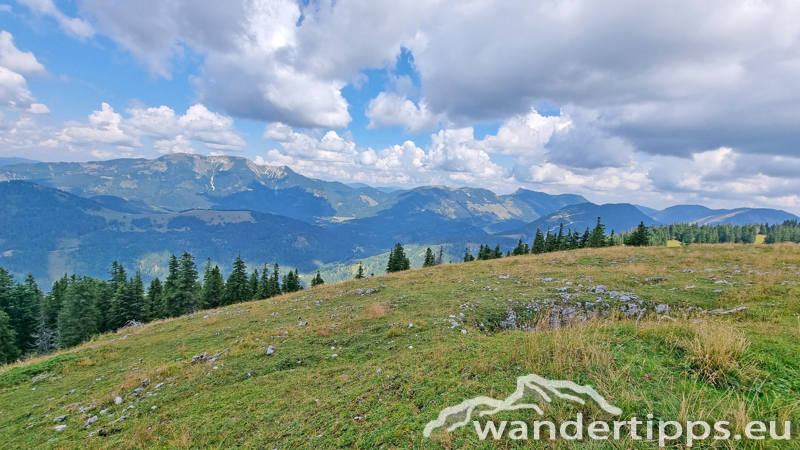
point(14, 93)
point(177, 145)
point(171, 132)
point(13, 59)
point(103, 128)
point(71, 25)
point(389, 109)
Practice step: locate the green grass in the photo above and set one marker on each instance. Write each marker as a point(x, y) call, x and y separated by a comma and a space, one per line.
point(673, 243)
point(738, 368)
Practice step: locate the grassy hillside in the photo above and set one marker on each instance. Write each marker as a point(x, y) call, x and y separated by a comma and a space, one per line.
point(389, 379)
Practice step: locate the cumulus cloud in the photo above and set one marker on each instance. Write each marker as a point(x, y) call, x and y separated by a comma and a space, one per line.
point(170, 132)
point(14, 59)
point(14, 92)
point(72, 25)
point(389, 109)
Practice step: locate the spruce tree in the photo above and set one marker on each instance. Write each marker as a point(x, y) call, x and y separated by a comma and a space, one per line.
point(584, 239)
point(640, 236)
point(468, 256)
point(398, 260)
point(8, 337)
point(136, 301)
point(439, 257)
point(597, 238)
point(519, 249)
point(263, 285)
point(538, 243)
point(360, 271)
point(497, 252)
point(213, 288)
point(237, 289)
point(274, 282)
point(550, 242)
point(561, 242)
point(22, 308)
point(170, 293)
point(254, 279)
point(154, 305)
point(429, 258)
point(317, 280)
point(79, 316)
point(116, 315)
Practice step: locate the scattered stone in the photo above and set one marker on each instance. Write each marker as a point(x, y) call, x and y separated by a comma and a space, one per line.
point(118, 400)
point(691, 286)
point(146, 382)
point(334, 355)
point(60, 428)
point(599, 289)
point(410, 347)
point(722, 312)
point(662, 308)
point(59, 418)
point(103, 412)
point(463, 331)
point(270, 349)
point(90, 421)
point(154, 406)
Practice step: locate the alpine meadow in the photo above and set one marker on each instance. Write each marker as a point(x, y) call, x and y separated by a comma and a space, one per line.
point(283, 224)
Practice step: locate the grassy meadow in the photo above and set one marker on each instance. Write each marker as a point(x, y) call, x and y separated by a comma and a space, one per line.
point(426, 339)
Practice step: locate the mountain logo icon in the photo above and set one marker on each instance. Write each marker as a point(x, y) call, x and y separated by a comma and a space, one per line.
point(461, 414)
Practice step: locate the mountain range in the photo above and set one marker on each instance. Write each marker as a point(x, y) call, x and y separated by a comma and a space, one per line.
point(78, 217)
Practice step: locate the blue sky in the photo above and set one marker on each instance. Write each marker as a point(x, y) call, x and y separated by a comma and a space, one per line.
point(624, 103)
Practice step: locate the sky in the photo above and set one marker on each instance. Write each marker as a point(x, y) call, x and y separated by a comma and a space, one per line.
point(655, 103)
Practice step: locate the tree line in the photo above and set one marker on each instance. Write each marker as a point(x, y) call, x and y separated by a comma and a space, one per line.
point(78, 308)
point(569, 240)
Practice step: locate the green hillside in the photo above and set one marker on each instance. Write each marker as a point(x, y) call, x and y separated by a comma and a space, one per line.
point(349, 370)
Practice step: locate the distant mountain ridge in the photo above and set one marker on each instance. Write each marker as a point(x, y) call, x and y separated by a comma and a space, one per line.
point(50, 233)
point(703, 215)
point(615, 216)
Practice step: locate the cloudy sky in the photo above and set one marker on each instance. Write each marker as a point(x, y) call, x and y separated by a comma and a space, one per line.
point(652, 102)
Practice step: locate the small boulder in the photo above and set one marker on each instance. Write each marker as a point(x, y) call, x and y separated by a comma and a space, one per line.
point(59, 418)
point(270, 350)
point(60, 428)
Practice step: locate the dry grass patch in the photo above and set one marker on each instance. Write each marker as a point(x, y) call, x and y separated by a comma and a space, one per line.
point(581, 347)
point(717, 353)
point(375, 311)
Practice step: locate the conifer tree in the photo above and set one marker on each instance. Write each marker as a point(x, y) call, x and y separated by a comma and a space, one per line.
point(398, 260)
point(317, 280)
point(53, 301)
point(21, 304)
point(597, 238)
point(263, 284)
point(519, 249)
point(497, 252)
point(468, 256)
point(213, 287)
point(154, 305)
point(79, 316)
point(538, 243)
point(360, 272)
point(439, 257)
point(8, 337)
point(550, 242)
point(237, 289)
point(429, 258)
point(584, 239)
point(561, 242)
point(254, 279)
point(171, 285)
point(274, 282)
point(136, 305)
point(640, 236)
